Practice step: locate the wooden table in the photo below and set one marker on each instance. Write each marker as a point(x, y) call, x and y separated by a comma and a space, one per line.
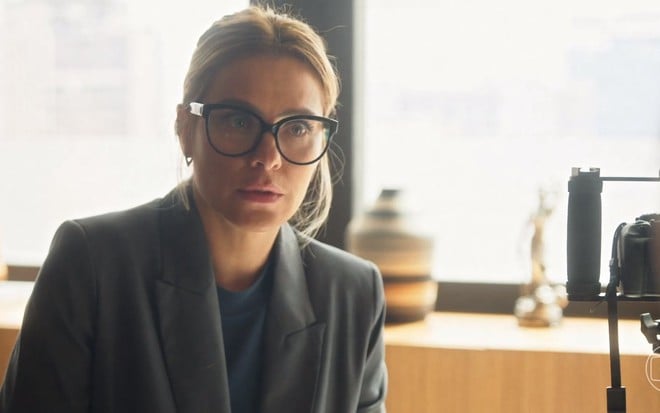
point(468, 363)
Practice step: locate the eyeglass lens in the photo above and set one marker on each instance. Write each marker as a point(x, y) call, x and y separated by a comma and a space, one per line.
point(235, 132)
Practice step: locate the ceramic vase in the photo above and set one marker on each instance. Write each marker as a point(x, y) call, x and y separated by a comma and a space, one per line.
point(389, 235)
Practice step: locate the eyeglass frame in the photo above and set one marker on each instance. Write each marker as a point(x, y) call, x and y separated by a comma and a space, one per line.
point(204, 109)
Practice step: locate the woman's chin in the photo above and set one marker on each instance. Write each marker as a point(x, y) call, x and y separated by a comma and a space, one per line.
point(258, 221)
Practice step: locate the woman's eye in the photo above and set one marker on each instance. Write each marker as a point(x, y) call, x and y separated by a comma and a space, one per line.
point(298, 128)
point(239, 121)
point(231, 119)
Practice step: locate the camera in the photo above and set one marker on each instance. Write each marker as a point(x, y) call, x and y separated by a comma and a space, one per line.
point(637, 256)
point(635, 260)
point(635, 265)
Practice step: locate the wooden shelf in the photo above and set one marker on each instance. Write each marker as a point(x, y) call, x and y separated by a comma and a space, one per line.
point(486, 363)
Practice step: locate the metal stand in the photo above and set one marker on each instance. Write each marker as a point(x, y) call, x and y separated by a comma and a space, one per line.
point(616, 394)
point(583, 242)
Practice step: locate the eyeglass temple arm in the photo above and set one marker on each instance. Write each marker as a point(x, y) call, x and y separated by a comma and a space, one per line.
point(197, 108)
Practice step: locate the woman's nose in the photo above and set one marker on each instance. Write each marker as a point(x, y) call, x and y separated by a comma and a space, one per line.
point(266, 153)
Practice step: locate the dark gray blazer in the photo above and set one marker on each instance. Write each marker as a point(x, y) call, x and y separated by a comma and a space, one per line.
point(124, 317)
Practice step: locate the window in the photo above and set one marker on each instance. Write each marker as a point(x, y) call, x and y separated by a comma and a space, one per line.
point(472, 107)
point(88, 92)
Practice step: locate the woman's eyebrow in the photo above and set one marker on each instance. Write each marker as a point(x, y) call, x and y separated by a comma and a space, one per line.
point(250, 107)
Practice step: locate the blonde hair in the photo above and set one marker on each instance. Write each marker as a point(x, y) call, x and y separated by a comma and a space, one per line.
point(262, 30)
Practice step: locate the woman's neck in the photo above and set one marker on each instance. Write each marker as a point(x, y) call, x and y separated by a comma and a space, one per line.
point(238, 260)
point(238, 256)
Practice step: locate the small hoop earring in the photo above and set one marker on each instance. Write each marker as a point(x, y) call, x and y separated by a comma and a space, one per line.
point(188, 160)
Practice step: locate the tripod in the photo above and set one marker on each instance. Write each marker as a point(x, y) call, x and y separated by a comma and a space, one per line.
point(583, 250)
point(616, 393)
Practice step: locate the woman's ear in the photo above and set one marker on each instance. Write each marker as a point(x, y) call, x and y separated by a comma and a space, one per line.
point(183, 126)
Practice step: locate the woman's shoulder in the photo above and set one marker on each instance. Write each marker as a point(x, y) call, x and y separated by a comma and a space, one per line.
point(330, 256)
point(332, 266)
point(133, 219)
point(340, 280)
point(121, 229)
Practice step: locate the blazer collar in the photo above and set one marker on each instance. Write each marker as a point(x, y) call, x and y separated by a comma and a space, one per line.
point(290, 305)
point(189, 314)
point(294, 337)
point(186, 261)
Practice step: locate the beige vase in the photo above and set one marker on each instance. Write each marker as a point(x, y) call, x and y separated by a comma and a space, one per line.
point(388, 234)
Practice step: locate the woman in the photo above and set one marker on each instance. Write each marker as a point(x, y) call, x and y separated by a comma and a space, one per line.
point(215, 298)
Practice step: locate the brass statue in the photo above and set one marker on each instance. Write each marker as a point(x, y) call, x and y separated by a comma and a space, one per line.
point(541, 304)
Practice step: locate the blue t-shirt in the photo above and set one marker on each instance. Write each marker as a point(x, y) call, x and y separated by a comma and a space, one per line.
point(243, 317)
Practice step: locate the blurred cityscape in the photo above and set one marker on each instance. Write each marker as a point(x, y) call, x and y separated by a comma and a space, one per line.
point(87, 102)
point(77, 68)
point(478, 74)
point(475, 107)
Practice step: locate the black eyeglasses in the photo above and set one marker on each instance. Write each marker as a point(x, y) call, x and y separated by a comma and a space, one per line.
point(235, 131)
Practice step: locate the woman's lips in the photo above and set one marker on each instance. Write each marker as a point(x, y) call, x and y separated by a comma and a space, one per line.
point(260, 195)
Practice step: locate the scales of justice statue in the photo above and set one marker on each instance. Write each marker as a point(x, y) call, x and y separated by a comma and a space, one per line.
point(540, 304)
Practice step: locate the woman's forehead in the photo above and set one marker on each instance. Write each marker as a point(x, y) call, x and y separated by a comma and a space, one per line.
point(272, 84)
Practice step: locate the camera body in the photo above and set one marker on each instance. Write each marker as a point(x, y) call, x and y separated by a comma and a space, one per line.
point(636, 247)
point(638, 257)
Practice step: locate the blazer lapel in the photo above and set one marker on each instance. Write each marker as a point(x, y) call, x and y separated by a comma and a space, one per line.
point(189, 315)
point(294, 338)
